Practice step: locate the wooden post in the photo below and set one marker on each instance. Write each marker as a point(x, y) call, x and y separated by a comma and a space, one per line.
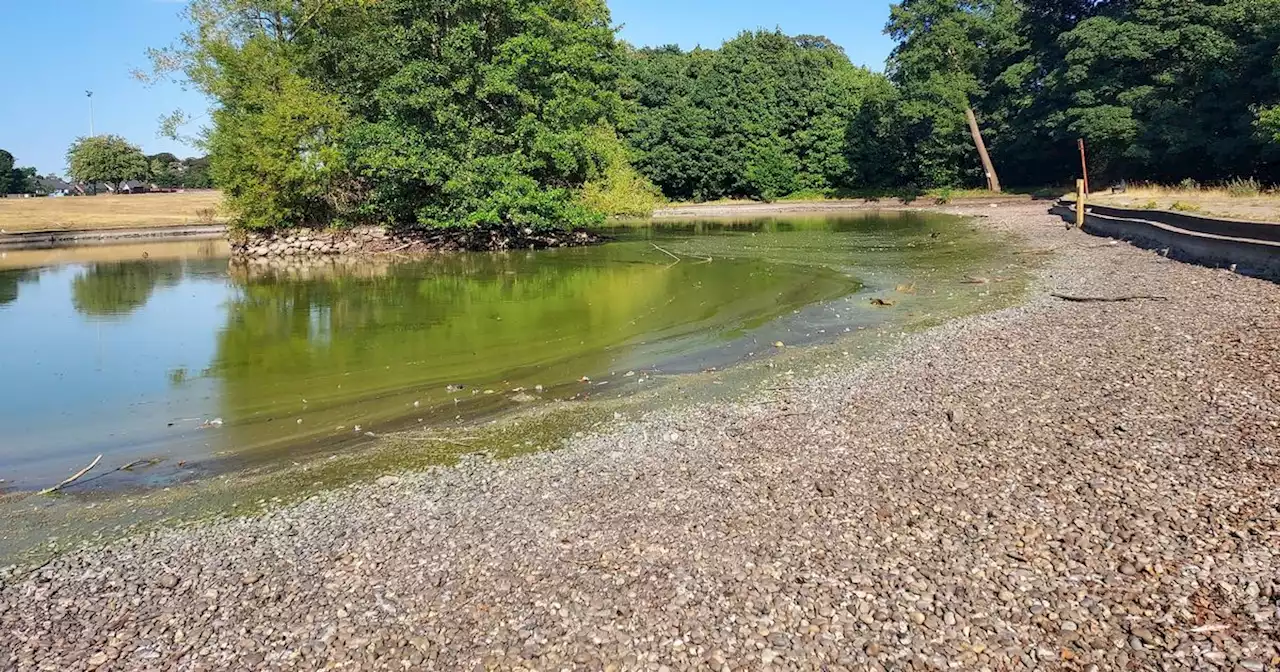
point(1080, 198)
point(993, 180)
point(1084, 167)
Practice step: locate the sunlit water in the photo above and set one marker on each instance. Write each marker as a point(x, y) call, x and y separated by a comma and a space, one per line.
point(168, 353)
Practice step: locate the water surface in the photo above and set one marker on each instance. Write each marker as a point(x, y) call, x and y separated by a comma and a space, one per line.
point(167, 352)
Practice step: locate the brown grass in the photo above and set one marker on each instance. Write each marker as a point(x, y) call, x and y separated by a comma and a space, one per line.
point(109, 212)
point(1211, 202)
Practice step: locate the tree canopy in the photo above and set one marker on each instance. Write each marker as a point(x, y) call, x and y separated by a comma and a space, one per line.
point(6, 165)
point(763, 116)
point(411, 112)
point(529, 113)
point(106, 158)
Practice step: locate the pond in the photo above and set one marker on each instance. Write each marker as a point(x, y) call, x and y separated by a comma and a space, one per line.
point(168, 356)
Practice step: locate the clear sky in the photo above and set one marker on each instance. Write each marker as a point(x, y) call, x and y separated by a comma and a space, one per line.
point(61, 48)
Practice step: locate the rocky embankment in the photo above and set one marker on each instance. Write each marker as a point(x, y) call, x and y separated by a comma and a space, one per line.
point(1063, 485)
point(362, 240)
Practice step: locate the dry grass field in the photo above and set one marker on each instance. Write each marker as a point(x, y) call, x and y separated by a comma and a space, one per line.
point(1234, 201)
point(108, 212)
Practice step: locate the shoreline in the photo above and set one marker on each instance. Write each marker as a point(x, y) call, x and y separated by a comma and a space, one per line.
point(1054, 483)
point(68, 238)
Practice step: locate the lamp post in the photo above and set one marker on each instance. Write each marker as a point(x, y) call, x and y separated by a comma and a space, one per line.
point(89, 95)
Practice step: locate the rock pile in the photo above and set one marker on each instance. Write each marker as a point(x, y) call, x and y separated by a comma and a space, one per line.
point(306, 242)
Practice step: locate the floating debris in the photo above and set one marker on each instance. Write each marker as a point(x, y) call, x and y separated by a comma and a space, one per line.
point(216, 422)
point(881, 302)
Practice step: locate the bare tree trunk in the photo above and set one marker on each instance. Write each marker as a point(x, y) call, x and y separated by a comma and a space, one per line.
point(993, 180)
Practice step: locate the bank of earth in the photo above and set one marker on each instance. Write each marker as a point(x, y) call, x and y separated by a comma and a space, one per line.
point(1059, 485)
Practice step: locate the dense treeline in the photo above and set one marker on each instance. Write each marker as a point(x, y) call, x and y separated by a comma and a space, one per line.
point(764, 116)
point(532, 113)
point(1160, 90)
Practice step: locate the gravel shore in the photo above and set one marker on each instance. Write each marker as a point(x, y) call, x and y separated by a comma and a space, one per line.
point(1084, 486)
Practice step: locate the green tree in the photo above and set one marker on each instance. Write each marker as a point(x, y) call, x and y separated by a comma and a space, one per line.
point(948, 54)
point(1269, 123)
point(164, 169)
point(22, 180)
point(105, 158)
point(6, 165)
point(761, 117)
point(408, 112)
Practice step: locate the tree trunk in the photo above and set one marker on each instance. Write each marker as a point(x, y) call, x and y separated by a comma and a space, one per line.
point(993, 180)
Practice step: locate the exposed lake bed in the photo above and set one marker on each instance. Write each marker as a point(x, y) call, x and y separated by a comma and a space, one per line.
point(1015, 486)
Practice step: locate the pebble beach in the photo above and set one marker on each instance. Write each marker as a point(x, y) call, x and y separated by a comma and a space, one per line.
point(1059, 485)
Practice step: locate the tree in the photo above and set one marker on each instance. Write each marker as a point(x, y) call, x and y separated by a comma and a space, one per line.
point(164, 169)
point(195, 173)
point(944, 62)
point(6, 165)
point(761, 117)
point(105, 158)
point(22, 180)
point(408, 112)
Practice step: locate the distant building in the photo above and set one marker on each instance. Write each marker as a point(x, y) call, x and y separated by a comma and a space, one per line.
point(52, 186)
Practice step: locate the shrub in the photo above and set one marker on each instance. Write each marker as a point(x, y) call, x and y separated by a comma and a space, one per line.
point(1180, 206)
point(1241, 188)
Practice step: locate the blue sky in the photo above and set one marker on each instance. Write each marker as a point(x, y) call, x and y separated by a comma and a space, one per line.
point(66, 47)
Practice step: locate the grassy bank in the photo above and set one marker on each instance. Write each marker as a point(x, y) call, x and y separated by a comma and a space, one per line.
point(1237, 200)
point(83, 213)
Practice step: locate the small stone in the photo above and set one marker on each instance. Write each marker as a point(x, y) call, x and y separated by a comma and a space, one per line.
point(1253, 665)
point(387, 481)
point(1128, 569)
point(917, 617)
point(1006, 596)
point(874, 649)
point(97, 659)
point(1136, 644)
point(167, 581)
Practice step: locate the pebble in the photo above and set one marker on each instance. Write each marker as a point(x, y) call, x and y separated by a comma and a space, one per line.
point(855, 531)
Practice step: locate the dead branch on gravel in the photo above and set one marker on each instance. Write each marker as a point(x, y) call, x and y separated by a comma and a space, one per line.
point(74, 478)
point(1108, 299)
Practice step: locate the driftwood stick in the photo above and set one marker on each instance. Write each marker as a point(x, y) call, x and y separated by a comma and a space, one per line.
point(137, 463)
point(1106, 299)
point(74, 478)
point(665, 251)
